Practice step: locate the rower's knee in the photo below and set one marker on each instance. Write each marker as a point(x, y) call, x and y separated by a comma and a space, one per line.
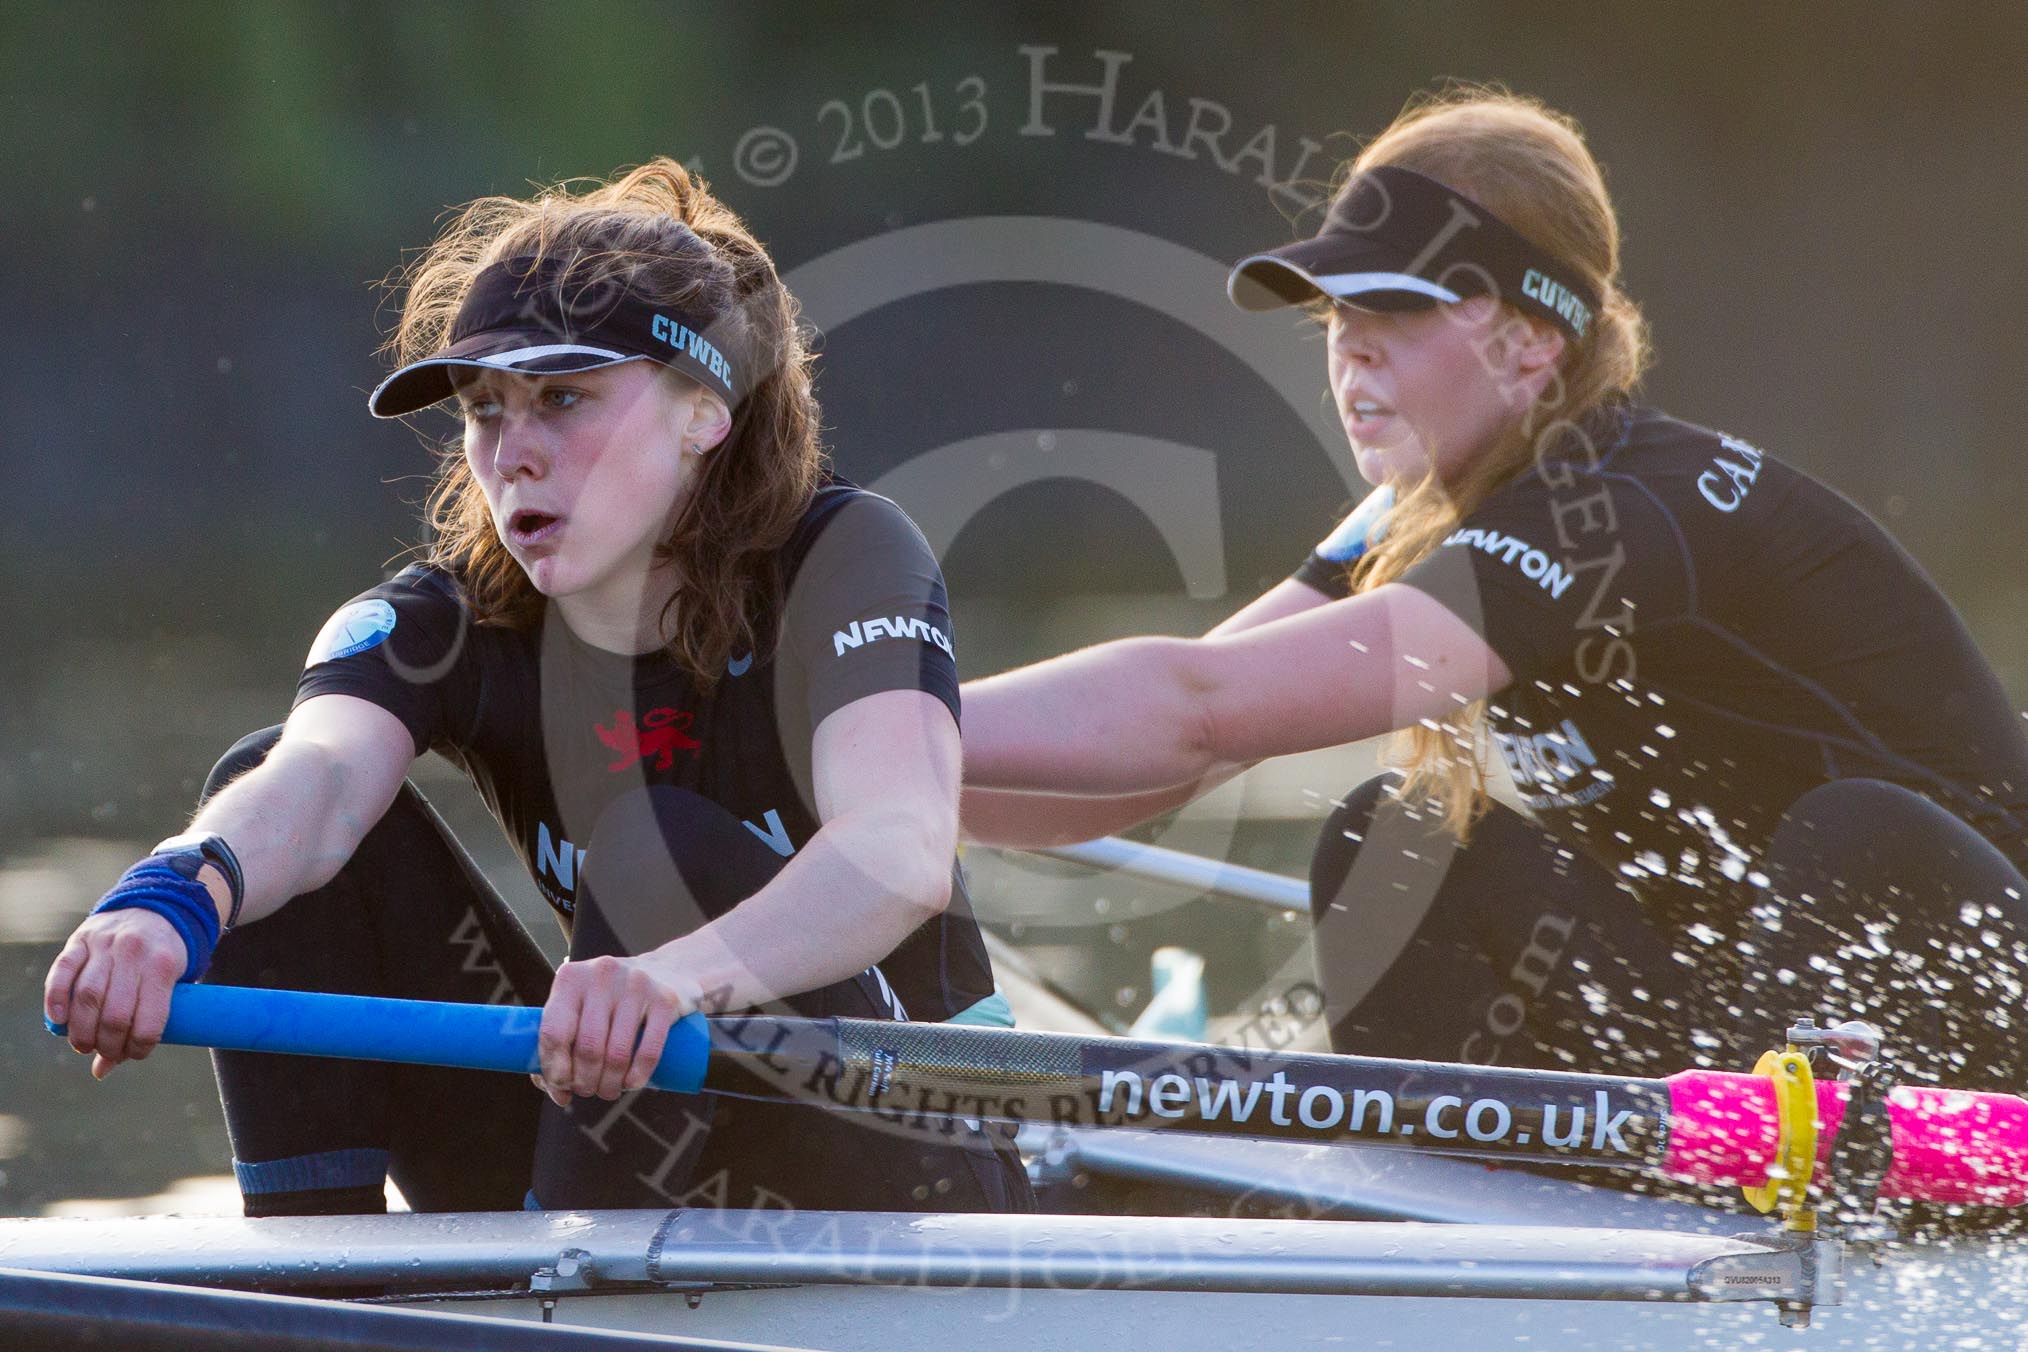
point(1883, 843)
point(1345, 832)
point(1850, 818)
point(243, 756)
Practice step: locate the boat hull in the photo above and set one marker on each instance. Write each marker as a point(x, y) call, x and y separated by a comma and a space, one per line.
point(1417, 1251)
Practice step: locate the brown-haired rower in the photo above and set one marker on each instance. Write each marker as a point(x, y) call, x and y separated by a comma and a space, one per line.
point(707, 690)
point(1767, 771)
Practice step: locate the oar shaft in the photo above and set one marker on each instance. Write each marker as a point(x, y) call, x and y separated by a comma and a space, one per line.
point(415, 1032)
point(1711, 1127)
point(930, 1071)
point(1702, 1126)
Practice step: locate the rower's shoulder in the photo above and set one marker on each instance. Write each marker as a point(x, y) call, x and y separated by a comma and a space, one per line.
point(847, 516)
point(425, 593)
point(1747, 522)
point(1709, 485)
point(432, 582)
point(1703, 472)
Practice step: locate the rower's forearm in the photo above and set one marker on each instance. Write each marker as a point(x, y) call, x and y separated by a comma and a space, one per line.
point(1013, 819)
point(1121, 718)
point(1021, 820)
point(842, 904)
point(284, 823)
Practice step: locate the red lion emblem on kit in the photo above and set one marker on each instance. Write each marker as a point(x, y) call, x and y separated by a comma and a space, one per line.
point(661, 734)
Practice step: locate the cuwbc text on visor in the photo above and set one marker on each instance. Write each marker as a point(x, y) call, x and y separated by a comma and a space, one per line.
point(692, 343)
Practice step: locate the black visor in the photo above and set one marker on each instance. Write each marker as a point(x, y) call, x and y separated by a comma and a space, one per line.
point(531, 318)
point(1394, 239)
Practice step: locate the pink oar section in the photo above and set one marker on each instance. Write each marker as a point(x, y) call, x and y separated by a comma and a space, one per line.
point(1950, 1145)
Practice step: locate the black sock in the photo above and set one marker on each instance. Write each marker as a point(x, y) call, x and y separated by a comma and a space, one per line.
point(364, 1200)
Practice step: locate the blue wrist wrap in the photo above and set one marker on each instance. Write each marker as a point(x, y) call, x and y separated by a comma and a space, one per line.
point(152, 885)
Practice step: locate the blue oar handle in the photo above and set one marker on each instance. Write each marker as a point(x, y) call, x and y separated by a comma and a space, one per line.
point(416, 1032)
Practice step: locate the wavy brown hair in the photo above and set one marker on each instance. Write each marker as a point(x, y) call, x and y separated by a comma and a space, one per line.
point(658, 231)
point(1530, 167)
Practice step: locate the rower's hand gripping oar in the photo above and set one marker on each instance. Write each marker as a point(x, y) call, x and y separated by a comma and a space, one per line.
point(1711, 1127)
point(414, 1032)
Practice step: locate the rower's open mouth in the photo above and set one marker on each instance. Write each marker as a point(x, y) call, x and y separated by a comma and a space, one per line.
point(528, 526)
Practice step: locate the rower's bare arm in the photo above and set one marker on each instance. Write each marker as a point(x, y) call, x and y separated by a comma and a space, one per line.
point(1287, 597)
point(292, 821)
point(1019, 819)
point(885, 775)
point(885, 772)
point(295, 819)
point(1161, 713)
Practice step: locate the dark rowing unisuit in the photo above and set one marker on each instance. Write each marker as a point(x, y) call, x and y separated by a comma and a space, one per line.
point(1700, 633)
point(1769, 773)
point(552, 730)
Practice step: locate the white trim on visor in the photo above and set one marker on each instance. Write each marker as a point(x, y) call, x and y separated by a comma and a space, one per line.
point(515, 356)
point(1335, 284)
point(512, 360)
point(1358, 283)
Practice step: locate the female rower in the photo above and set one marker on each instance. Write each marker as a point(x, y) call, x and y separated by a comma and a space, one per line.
point(631, 632)
point(1767, 771)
